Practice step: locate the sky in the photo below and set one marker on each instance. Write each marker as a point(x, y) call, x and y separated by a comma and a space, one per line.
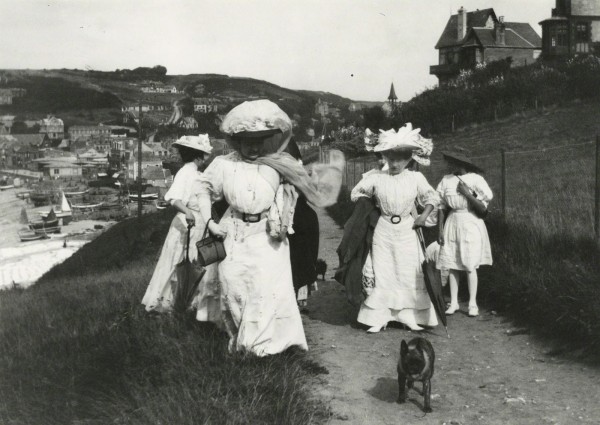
point(353, 48)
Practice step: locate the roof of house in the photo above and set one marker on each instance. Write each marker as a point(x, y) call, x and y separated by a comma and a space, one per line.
point(155, 173)
point(88, 127)
point(477, 18)
point(23, 139)
point(513, 39)
point(517, 35)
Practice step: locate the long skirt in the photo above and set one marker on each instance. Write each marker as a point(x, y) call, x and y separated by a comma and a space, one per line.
point(258, 303)
point(466, 242)
point(159, 294)
point(399, 293)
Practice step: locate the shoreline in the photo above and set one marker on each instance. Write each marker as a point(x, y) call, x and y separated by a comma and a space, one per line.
point(23, 263)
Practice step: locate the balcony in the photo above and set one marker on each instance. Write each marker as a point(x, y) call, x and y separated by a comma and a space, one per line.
point(446, 69)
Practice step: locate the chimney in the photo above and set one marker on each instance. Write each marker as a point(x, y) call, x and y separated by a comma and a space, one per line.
point(500, 31)
point(462, 23)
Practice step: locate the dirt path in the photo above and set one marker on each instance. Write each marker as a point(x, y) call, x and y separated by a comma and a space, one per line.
point(484, 375)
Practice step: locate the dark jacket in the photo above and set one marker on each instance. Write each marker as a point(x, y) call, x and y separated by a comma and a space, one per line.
point(355, 246)
point(304, 244)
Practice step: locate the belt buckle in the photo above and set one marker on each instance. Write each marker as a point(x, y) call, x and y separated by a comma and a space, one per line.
point(395, 219)
point(251, 218)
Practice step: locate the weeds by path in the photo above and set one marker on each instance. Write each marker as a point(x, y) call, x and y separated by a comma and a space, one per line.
point(78, 348)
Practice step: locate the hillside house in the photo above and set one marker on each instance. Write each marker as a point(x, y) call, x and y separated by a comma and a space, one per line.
point(155, 88)
point(157, 176)
point(573, 29)
point(53, 127)
point(88, 131)
point(470, 38)
point(6, 122)
point(7, 95)
point(206, 105)
point(58, 170)
point(18, 152)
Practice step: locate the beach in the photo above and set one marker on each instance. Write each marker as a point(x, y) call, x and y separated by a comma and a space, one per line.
point(23, 263)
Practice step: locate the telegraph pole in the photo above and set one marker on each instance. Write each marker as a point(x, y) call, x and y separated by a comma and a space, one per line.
point(139, 179)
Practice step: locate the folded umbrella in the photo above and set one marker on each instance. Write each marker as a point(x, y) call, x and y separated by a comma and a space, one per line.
point(188, 279)
point(433, 283)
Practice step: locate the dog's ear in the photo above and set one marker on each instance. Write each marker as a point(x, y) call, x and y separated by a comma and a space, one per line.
point(403, 348)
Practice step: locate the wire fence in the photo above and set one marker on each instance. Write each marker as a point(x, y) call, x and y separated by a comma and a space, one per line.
point(556, 189)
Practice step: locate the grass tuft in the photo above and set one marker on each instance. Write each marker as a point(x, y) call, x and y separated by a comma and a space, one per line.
point(79, 348)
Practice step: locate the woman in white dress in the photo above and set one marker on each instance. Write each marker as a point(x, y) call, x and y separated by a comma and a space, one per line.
point(183, 196)
point(258, 303)
point(464, 241)
point(399, 293)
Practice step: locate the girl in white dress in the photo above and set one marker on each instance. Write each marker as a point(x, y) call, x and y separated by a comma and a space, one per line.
point(183, 196)
point(258, 302)
point(463, 238)
point(399, 293)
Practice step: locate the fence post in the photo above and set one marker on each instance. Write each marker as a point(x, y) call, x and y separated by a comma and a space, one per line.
point(503, 151)
point(597, 194)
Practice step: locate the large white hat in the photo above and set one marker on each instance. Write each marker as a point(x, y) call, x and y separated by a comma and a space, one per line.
point(200, 142)
point(257, 118)
point(406, 139)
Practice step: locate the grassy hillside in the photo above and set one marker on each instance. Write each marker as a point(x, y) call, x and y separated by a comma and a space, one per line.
point(546, 269)
point(79, 348)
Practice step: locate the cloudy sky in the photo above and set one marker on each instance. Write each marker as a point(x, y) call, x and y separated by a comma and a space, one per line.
point(354, 48)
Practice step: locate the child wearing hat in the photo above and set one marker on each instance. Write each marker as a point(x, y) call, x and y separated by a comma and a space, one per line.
point(463, 238)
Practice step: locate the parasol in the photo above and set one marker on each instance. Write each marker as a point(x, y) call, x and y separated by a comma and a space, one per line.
point(433, 283)
point(188, 278)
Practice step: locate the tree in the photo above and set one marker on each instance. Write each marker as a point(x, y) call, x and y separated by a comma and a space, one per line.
point(375, 118)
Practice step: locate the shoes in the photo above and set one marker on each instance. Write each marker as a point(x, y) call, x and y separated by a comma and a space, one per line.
point(473, 311)
point(453, 308)
point(376, 329)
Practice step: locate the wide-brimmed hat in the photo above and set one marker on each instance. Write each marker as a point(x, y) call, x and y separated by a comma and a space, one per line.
point(463, 159)
point(258, 119)
point(406, 138)
point(200, 142)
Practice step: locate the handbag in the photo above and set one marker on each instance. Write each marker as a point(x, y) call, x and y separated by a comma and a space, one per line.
point(210, 248)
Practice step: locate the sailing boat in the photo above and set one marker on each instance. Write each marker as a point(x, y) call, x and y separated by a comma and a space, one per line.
point(49, 225)
point(64, 213)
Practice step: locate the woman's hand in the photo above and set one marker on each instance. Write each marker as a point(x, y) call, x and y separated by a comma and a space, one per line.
point(216, 229)
point(190, 219)
point(463, 189)
point(420, 221)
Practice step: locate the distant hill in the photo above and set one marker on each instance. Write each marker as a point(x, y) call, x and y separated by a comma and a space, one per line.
point(86, 97)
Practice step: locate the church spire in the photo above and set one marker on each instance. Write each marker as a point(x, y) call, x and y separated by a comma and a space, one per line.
point(392, 97)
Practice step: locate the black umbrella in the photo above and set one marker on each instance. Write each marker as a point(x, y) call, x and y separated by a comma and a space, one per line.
point(433, 283)
point(188, 278)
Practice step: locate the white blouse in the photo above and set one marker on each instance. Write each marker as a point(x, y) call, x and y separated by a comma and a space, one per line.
point(450, 196)
point(185, 187)
point(396, 194)
point(247, 187)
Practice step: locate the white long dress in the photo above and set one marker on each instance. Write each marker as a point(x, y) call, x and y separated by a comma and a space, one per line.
point(257, 294)
point(159, 294)
point(399, 293)
point(466, 241)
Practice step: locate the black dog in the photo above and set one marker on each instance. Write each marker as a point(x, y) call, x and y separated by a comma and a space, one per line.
point(416, 364)
point(321, 268)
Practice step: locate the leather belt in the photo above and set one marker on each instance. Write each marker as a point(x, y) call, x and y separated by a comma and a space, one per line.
point(249, 218)
point(394, 219)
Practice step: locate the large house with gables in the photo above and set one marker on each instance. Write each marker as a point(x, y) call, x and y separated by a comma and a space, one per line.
point(470, 38)
point(573, 29)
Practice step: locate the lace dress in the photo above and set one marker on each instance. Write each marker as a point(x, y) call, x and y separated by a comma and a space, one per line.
point(399, 293)
point(257, 295)
point(466, 241)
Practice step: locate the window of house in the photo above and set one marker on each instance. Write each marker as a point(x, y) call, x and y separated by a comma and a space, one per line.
point(56, 171)
point(582, 32)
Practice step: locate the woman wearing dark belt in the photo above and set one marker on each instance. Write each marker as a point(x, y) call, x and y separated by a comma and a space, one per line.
point(258, 303)
point(399, 293)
